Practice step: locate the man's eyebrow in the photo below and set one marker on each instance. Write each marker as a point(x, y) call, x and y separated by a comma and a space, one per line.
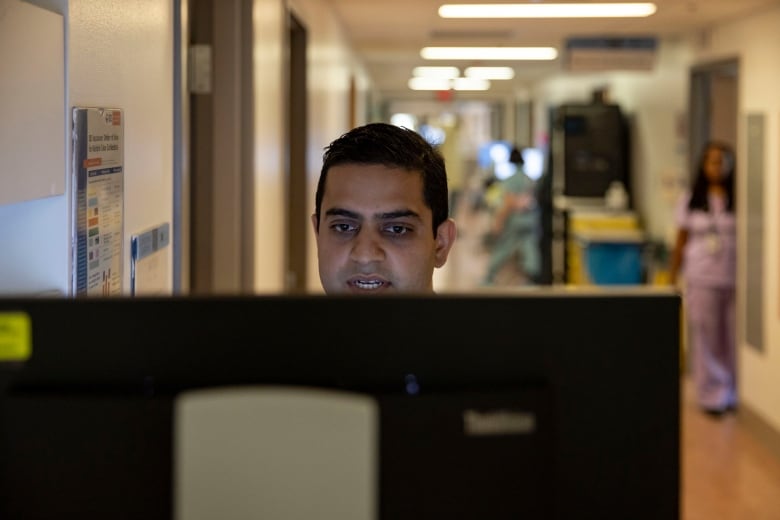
point(387, 215)
point(400, 213)
point(341, 212)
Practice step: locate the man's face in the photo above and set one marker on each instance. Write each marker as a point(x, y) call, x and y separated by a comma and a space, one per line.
point(375, 232)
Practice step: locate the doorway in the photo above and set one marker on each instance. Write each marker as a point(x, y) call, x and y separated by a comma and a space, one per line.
point(221, 238)
point(713, 102)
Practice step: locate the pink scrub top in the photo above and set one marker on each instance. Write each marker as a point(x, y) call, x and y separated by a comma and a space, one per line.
point(710, 254)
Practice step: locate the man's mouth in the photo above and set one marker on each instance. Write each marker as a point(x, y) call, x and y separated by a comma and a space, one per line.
point(368, 284)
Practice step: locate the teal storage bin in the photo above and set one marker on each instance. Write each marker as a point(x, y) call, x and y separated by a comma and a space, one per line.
point(614, 263)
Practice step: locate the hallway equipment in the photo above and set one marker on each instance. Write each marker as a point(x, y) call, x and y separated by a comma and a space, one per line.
point(589, 151)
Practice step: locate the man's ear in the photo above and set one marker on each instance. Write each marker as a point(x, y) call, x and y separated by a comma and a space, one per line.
point(315, 224)
point(445, 237)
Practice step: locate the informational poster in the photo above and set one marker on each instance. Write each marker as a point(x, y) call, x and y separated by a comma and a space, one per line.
point(98, 183)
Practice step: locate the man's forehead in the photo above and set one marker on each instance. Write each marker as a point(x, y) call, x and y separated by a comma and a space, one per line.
point(374, 180)
point(374, 191)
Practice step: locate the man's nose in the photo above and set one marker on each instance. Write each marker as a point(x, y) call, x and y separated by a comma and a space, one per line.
point(367, 248)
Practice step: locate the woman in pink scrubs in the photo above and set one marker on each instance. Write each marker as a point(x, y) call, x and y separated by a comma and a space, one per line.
point(705, 253)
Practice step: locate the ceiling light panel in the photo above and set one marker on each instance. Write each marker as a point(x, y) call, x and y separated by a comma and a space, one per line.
point(436, 72)
point(489, 53)
point(420, 83)
point(470, 84)
point(587, 10)
point(489, 72)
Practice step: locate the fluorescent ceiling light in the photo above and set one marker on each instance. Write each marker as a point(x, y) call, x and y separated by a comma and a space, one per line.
point(419, 83)
point(436, 72)
point(489, 72)
point(586, 10)
point(470, 84)
point(489, 53)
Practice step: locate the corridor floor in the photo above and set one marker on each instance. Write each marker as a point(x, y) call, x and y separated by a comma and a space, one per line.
point(728, 473)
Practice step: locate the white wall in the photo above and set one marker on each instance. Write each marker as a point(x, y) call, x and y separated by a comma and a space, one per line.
point(270, 33)
point(120, 55)
point(117, 54)
point(756, 42)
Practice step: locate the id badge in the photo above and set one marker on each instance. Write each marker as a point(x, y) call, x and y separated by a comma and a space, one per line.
point(713, 242)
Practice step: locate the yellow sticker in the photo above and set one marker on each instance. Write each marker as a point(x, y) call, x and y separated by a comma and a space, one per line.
point(15, 336)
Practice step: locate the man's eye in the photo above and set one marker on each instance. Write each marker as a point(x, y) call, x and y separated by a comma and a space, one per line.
point(398, 229)
point(341, 227)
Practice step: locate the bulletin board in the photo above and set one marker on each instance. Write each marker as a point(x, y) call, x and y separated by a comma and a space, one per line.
point(98, 191)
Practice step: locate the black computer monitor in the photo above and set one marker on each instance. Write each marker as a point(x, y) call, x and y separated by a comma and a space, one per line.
point(544, 404)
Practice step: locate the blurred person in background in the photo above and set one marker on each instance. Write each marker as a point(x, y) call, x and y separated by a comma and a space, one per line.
point(705, 255)
point(514, 234)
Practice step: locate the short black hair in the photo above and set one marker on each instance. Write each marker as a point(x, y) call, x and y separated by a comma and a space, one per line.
point(396, 147)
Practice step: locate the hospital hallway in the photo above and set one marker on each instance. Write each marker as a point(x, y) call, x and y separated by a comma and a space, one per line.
point(729, 470)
